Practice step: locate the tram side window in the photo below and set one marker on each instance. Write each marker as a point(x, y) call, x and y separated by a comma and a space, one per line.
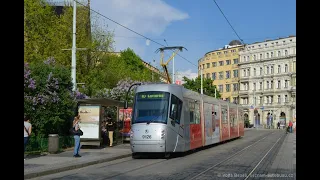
point(224, 116)
point(192, 114)
point(232, 118)
point(197, 113)
point(235, 119)
point(175, 110)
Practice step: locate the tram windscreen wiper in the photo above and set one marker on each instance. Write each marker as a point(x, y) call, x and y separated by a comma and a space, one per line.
point(152, 120)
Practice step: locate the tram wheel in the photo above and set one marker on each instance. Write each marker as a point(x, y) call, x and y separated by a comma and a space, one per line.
point(135, 155)
point(167, 155)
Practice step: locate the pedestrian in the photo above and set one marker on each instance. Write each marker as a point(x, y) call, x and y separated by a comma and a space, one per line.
point(27, 131)
point(76, 127)
point(278, 125)
point(290, 126)
point(104, 132)
point(110, 128)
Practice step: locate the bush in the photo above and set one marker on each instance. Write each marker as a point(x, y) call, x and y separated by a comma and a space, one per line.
point(49, 100)
point(38, 144)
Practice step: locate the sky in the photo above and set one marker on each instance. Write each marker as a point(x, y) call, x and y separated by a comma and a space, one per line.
point(198, 26)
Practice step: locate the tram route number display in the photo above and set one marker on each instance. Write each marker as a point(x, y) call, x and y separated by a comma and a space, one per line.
point(146, 136)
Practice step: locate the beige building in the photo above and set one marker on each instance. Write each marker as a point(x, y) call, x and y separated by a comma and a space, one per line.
point(222, 67)
point(268, 81)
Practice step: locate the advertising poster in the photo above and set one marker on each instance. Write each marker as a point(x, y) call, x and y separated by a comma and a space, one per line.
point(282, 122)
point(89, 121)
point(125, 115)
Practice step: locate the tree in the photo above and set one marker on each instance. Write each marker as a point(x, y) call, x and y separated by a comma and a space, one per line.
point(119, 92)
point(46, 34)
point(111, 69)
point(195, 85)
point(49, 99)
point(135, 66)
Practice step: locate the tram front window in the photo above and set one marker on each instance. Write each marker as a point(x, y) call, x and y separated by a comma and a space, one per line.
point(151, 107)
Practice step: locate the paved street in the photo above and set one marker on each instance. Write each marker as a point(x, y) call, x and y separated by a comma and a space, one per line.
point(258, 154)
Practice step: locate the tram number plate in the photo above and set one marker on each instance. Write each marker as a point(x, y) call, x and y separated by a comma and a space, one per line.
point(146, 136)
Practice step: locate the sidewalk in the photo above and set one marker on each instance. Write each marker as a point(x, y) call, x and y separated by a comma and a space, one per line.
point(35, 166)
point(285, 160)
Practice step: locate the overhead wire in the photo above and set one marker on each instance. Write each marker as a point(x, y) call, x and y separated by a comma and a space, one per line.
point(130, 29)
point(250, 53)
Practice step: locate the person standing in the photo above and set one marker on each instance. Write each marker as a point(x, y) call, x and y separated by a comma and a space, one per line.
point(110, 128)
point(76, 137)
point(278, 125)
point(290, 126)
point(27, 131)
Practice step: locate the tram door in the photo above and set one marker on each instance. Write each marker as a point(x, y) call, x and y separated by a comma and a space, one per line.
point(224, 123)
point(175, 137)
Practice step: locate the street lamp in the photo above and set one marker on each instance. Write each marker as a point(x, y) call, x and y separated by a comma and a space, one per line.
point(126, 100)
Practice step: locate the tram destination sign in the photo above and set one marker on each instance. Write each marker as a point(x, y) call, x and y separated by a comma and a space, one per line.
point(152, 95)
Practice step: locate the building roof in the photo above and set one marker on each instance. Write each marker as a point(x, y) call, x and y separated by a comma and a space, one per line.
point(235, 42)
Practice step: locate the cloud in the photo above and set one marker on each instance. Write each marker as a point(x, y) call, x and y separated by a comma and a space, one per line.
point(147, 17)
point(188, 73)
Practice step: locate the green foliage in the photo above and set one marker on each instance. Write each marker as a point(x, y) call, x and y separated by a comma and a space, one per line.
point(51, 104)
point(46, 34)
point(40, 144)
point(111, 69)
point(195, 85)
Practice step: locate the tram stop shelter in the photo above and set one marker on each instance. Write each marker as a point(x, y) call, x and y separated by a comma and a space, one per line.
point(92, 114)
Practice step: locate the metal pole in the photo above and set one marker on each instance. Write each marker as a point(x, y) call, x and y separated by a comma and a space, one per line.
point(254, 106)
point(215, 92)
point(73, 63)
point(173, 82)
point(201, 82)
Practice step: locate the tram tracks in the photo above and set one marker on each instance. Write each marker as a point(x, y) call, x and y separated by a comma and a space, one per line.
point(236, 155)
point(180, 158)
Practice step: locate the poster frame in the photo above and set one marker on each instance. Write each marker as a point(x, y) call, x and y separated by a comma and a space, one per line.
point(91, 141)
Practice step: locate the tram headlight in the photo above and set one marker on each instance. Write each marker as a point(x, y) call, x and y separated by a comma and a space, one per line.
point(163, 133)
point(131, 134)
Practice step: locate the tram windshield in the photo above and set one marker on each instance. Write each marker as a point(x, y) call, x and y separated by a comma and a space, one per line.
point(151, 106)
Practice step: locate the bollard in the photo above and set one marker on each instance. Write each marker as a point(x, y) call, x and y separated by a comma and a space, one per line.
point(53, 143)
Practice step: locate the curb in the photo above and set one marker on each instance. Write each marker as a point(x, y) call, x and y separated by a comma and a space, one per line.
point(71, 167)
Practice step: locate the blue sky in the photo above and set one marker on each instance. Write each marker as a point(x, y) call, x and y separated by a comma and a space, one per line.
point(197, 25)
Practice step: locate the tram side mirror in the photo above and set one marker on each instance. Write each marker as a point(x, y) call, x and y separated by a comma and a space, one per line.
point(126, 105)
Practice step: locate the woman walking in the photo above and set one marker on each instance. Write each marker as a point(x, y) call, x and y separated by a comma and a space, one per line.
point(76, 137)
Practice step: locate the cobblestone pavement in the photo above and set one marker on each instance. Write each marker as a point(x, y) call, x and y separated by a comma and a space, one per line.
point(258, 153)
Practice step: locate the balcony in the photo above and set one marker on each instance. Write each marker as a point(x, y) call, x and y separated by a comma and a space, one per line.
point(244, 93)
point(244, 79)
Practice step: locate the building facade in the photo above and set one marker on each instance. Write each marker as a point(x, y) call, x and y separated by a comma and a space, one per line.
point(268, 81)
point(222, 67)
